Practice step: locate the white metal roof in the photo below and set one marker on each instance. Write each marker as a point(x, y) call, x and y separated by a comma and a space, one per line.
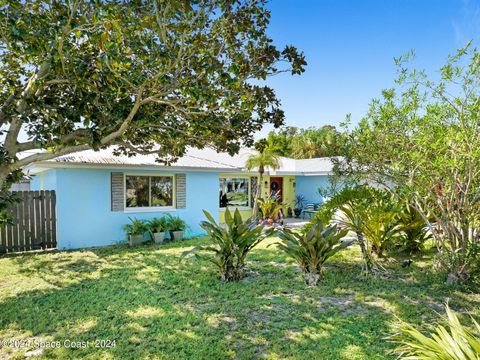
point(206, 159)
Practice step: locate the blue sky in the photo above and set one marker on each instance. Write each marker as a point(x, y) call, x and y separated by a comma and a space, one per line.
point(350, 46)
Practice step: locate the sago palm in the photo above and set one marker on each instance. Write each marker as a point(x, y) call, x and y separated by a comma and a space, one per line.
point(266, 157)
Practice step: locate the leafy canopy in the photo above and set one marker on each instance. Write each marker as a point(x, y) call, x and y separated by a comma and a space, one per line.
point(150, 76)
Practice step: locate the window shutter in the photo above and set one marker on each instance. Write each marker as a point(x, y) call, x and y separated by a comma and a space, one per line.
point(181, 191)
point(118, 192)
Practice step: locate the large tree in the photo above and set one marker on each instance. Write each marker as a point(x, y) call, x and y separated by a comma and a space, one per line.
point(422, 142)
point(148, 76)
point(312, 142)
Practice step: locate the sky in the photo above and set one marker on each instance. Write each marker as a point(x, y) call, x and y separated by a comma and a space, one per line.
point(350, 46)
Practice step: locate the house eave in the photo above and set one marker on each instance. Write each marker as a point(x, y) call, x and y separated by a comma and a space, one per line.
point(42, 166)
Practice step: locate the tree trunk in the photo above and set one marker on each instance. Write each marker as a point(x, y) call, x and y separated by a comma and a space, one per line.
point(367, 259)
point(259, 190)
point(312, 279)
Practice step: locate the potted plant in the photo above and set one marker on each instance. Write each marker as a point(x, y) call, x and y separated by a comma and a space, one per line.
point(176, 226)
point(157, 228)
point(135, 231)
point(299, 202)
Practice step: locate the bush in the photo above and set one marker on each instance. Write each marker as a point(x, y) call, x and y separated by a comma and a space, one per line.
point(311, 249)
point(456, 344)
point(233, 241)
point(136, 227)
point(175, 223)
point(269, 209)
point(158, 225)
point(414, 230)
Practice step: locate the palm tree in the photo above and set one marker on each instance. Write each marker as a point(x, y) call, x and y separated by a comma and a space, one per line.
point(265, 156)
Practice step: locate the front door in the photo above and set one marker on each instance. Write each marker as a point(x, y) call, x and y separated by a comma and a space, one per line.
point(276, 188)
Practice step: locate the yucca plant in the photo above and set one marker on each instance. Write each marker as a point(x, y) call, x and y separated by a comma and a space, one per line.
point(232, 242)
point(457, 343)
point(311, 249)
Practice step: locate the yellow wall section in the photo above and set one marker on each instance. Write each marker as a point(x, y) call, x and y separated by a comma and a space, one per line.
point(288, 193)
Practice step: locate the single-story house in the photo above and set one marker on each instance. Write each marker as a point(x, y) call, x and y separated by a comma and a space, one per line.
point(97, 192)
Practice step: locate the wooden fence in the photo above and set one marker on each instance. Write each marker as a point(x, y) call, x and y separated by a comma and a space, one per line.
point(34, 223)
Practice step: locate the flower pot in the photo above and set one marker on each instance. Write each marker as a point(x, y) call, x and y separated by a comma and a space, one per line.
point(158, 237)
point(135, 239)
point(297, 212)
point(176, 235)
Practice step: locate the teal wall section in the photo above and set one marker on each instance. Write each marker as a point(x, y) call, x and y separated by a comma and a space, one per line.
point(308, 187)
point(84, 216)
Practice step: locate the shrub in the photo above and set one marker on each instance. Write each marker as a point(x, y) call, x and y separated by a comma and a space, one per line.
point(269, 208)
point(414, 229)
point(136, 227)
point(456, 344)
point(158, 225)
point(232, 243)
point(310, 249)
point(175, 223)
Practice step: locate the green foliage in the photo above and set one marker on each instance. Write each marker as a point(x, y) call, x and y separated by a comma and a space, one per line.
point(456, 343)
point(158, 225)
point(79, 294)
point(421, 141)
point(232, 243)
point(414, 229)
point(265, 156)
point(136, 227)
point(150, 77)
point(175, 223)
point(308, 143)
point(311, 249)
point(269, 208)
point(299, 201)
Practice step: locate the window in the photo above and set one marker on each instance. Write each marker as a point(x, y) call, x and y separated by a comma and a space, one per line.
point(234, 192)
point(148, 191)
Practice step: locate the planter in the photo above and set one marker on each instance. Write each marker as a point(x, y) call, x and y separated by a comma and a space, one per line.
point(297, 212)
point(135, 239)
point(159, 237)
point(176, 235)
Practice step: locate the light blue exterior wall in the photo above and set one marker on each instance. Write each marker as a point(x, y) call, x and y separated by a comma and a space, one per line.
point(84, 216)
point(308, 187)
point(47, 180)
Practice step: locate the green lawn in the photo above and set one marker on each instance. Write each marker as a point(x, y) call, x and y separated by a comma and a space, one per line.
point(154, 306)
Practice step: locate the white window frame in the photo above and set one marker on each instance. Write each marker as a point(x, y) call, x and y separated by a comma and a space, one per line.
point(149, 208)
point(248, 207)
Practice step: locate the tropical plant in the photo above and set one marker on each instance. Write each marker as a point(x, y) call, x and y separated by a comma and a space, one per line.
point(351, 218)
point(415, 231)
point(265, 156)
point(232, 242)
point(269, 209)
point(420, 140)
point(175, 223)
point(299, 201)
point(149, 76)
point(381, 222)
point(456, 343)
point(136, 227)
point(158, 225)
point(311, 249)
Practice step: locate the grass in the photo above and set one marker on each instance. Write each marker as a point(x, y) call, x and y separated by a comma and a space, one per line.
point(156, 307)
